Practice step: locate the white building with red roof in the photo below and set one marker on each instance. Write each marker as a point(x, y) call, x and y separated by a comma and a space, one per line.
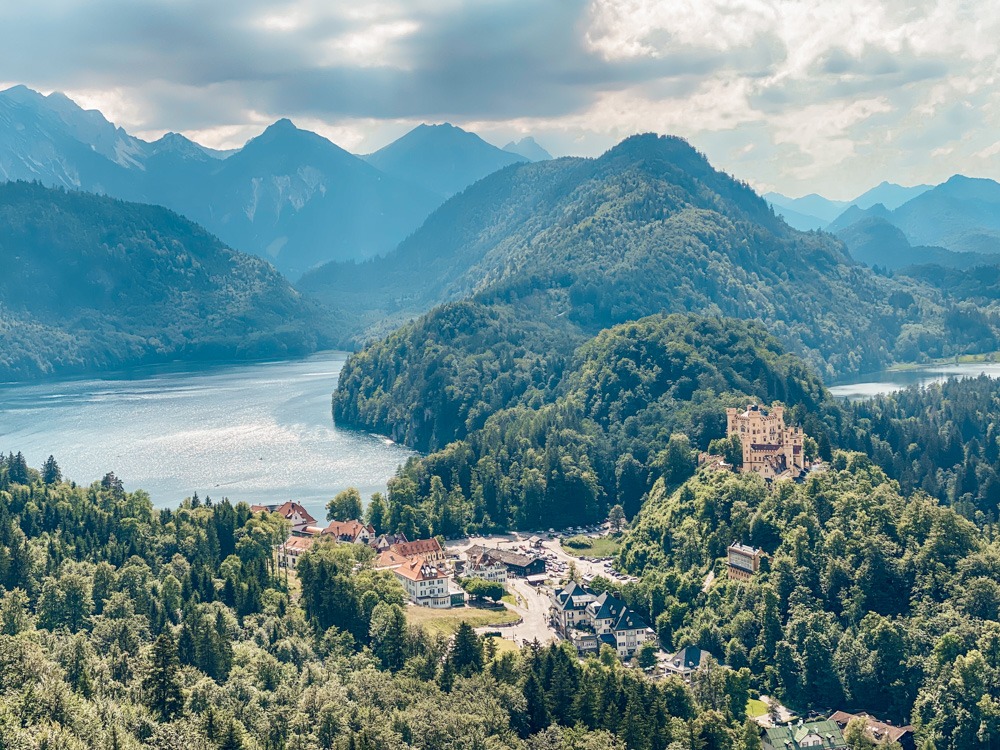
point(350, 531)
point(295, 514)
point(425, 583)
point(429, 549)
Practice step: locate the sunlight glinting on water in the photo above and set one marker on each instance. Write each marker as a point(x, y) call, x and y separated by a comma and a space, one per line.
point(260, 433)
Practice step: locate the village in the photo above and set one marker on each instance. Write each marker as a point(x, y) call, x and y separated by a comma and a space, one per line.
point(525, 588)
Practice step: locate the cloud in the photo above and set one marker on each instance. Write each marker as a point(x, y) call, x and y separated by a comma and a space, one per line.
point(799, 94)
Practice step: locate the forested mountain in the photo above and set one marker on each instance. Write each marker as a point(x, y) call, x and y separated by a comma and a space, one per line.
point(297, 199)
point(811, 211)
point(124, 627)
point(290, 196)
point(90, 282)
point(942, 439)
point(890, 195)
point(441, 158)
point(962, 214)
point(868, 598)
point(816, 212)
point(648, 227)
point(525, 434)
point(854, 214)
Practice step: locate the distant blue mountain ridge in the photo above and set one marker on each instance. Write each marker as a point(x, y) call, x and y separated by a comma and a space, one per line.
point(955, 224)
point(289, 195)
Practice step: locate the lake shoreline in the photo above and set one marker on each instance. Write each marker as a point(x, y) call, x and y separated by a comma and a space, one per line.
point(891, 380)
point(260, 432)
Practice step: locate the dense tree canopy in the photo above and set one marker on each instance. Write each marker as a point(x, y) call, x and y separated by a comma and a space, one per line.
point(868, 600)
point(92, 283)
point(122, 626)
point(580, 434)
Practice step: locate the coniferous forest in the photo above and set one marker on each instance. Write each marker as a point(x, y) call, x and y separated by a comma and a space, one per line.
point(124, 626)
point(558, 343)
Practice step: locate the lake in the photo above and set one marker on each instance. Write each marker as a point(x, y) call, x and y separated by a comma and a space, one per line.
point(888, 381)
point(258, 432)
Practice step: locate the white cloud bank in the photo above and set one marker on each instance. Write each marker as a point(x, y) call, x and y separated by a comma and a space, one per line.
point(795, 95)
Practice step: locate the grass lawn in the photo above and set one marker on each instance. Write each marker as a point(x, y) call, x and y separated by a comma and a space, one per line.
point(756, 708)
point(446, 621)
point(514, 598)
point(602, 546)
point(504, 645)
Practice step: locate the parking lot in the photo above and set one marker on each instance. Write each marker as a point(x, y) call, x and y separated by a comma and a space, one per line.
point(532, 601)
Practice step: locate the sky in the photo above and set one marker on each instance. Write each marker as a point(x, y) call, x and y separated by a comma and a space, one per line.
point(797, 96)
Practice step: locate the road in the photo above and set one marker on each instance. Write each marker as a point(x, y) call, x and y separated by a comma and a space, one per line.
point(533, 602)
point(534, 612)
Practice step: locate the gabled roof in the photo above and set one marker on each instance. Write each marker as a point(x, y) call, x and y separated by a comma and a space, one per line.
point(299, 543)
point(484, 561)
point(793, 735)
point(387, 540)
point(506, 556)
point(573, 597)
point(347, 529)
point(418, 569)
point(389, 559)
point(629, 620)
point(285, 510)
point(289, 509)
point(417, 547)
point(688, 658)
point(608, 607)
point(879, 730)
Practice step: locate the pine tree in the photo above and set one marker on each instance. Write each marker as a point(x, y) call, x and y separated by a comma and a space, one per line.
point(232, 737)
point(162, 684)
point(17, 468)
point(378, 513)
point(446, 678)
point(187, 652)
point(50, 471)
point(751, 736)
point(467, 651)
point(388, 635)
point(534, 696)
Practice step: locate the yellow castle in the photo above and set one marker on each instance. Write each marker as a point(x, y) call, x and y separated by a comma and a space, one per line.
point(769, 448)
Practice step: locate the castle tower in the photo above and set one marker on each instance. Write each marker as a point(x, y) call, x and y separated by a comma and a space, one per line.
point(769, 447)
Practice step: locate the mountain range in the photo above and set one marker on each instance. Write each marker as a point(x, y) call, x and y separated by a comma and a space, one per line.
point(441, 158)
point(816, 212)
point(579, 245)
point(955, 224)
point(289, 195)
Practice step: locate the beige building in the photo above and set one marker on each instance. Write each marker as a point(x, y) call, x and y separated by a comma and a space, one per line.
point(426, 584)
point(429, 549)
point(769, 447)
point(744, 561)
point(485, 567)
point(293, 548)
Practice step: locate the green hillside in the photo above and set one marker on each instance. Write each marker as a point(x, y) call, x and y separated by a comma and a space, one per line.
point(649, 227)
point(92, 283)
point(867, 599)
point(528, 440)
